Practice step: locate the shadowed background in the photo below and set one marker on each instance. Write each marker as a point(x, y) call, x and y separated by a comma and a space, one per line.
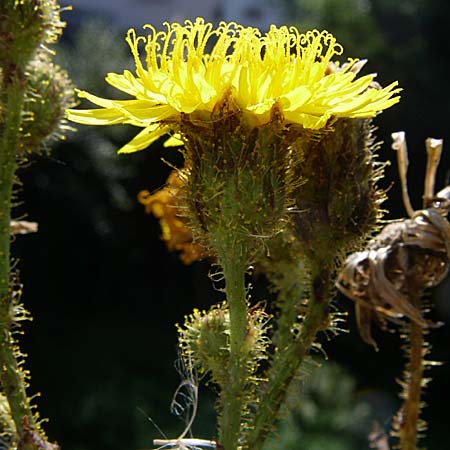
point(104, 292)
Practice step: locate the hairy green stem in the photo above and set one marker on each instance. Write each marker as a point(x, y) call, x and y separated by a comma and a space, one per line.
point(287, 361)
point(232, 258)
point(12, 380)
point(292, 285)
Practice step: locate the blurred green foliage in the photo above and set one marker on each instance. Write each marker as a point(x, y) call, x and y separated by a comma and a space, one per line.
point(323, 412)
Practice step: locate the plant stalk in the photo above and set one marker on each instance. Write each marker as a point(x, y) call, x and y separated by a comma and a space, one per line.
point(408, 420)
point(286, 361)
point(232, 258)
point(11, 376)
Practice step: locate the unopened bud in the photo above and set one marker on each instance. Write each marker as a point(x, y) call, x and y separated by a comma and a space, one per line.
point(24, 27)
point(49, 93)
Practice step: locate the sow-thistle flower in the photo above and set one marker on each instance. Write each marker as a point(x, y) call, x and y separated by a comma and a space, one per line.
point(247, 106)
point(283, 67)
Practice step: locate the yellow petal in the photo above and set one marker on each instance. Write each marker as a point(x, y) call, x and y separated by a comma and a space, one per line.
point(174, 141)
point(105, 116)
point(143, 139)
point(296, 98)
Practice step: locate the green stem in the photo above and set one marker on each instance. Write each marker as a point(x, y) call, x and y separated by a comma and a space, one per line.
point(287, 361)
point(11, 376)
point(232, 258)
point(292, 284)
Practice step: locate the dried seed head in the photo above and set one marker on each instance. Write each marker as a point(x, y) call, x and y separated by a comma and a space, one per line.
point(405, 258)
point(379, 278)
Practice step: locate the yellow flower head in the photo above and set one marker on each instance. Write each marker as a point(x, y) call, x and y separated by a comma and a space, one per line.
point(181, 76)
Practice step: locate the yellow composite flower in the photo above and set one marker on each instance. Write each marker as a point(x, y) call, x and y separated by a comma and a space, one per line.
point(189, 68)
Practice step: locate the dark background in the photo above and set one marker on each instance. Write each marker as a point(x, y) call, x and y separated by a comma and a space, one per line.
point(104, 292)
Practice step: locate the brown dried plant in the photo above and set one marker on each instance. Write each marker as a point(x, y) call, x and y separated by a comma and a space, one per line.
point(387, 281)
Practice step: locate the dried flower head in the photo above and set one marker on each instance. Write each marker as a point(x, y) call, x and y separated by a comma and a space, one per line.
point(282, 67)
point(406, 257)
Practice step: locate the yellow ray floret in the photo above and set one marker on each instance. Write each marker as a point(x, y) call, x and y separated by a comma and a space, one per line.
point(189, 68)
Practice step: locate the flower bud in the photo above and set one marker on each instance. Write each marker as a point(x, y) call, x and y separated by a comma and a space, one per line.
point(205, 341)
point(24, 26)
point(337, 203)
point(49, 93)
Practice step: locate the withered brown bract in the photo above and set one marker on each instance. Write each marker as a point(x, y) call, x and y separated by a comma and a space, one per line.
point(409, 254)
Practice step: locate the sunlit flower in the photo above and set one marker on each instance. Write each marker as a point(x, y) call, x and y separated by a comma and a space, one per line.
point(164, 205)
point(188, 69)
